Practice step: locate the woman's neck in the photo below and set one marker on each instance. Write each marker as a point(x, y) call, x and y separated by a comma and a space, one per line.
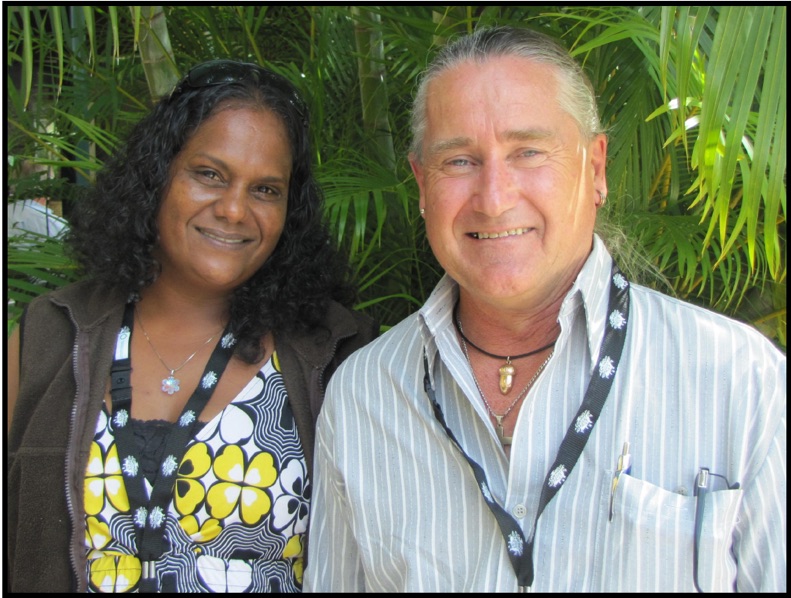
point(160, 305)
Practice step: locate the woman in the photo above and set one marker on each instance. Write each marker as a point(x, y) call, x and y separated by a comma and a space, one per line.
point(209, 270)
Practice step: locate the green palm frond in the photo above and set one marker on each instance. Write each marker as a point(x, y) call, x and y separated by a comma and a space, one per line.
point(35, 263)
point(696, 124)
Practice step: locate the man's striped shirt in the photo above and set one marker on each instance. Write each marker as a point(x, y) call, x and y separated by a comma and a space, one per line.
point(397, 508)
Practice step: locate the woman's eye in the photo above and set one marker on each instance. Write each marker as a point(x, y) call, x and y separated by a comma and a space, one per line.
point(269, 191)
point(209, 174)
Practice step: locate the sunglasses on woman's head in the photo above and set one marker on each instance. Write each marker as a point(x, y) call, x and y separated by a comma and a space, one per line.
point(220, 72)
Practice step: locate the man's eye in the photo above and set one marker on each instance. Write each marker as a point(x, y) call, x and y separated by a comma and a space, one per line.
point(530, 157)
point(530, 153)
point(459, 163)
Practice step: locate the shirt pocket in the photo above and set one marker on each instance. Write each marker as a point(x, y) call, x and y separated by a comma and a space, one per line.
point(648, 544)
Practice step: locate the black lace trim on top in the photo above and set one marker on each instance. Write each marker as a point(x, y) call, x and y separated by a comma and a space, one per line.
point(150, 439)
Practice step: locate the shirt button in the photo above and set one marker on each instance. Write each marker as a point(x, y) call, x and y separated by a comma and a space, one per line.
point(520, 511)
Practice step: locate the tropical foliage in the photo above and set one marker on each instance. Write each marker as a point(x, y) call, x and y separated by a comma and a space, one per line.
point(696, 124)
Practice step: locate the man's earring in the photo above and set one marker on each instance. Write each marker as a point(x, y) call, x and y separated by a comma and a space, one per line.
point(602, 199)
point(422, 211)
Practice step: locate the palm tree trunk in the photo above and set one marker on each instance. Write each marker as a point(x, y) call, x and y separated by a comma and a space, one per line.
point(373, 90)
point(156, 52)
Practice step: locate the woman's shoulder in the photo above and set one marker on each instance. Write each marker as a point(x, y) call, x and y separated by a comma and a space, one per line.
point(84, 301)
point(344, 320)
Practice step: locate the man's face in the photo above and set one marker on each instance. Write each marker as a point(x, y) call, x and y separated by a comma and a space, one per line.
point(508, 183)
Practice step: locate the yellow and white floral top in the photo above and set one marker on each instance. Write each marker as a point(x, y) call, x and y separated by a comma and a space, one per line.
point(239, 511)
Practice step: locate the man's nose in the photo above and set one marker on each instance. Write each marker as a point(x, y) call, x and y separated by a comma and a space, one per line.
point(497, 191)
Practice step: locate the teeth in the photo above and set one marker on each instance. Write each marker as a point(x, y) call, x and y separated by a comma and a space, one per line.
point(506, 233)
point(222, 239)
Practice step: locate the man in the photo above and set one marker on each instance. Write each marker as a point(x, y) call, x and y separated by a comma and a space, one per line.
point(33, 216)
point(39, 215)
point(541, 423)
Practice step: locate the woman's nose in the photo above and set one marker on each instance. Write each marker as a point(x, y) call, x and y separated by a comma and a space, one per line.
point(232, 205)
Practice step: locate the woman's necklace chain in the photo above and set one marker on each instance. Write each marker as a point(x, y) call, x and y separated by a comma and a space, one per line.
point(507, 370)
point(171, 384)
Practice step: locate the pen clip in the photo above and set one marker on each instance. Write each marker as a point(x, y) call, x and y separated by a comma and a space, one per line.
point(702, 480)
point(624, 466)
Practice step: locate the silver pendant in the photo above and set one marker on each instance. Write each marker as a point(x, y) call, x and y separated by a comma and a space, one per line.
point(170, 384)
point(504, 440)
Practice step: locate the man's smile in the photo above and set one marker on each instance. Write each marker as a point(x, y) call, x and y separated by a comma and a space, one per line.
point(498, 235)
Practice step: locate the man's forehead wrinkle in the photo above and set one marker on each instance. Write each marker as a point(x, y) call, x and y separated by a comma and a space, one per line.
point(531, 134)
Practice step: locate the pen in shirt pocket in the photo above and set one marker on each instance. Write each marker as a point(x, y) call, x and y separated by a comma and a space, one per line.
point(624, 466)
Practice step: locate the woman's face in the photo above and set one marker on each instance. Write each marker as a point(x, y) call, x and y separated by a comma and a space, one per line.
point(224, 208)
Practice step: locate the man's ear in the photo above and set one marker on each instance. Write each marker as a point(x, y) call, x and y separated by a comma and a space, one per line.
point(598, 160)
point(417, 170)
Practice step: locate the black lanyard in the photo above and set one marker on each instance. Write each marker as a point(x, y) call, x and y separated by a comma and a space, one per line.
point(520, 550)
point(149, 514)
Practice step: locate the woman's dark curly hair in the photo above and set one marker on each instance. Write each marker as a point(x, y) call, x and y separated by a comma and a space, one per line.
point(114, 229)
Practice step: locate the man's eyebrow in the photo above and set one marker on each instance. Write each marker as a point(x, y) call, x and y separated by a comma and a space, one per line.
point(448, 145)
point(531, 134)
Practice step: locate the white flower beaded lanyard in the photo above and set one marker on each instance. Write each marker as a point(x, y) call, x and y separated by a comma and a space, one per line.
point(149, 512)
point(520, 550)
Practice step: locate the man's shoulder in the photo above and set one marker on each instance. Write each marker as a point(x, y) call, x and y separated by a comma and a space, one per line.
point(392, 346)
point(377, 374)
point(660, 310)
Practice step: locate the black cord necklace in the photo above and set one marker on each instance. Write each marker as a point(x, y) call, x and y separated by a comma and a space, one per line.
point(507, 371)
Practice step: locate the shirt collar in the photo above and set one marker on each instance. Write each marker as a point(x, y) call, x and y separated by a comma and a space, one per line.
point(436, 316)
point(590, 290)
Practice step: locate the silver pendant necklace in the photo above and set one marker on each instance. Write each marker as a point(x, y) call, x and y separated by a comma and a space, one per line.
point(171, 384)
point(507, 371)
point(504, 440)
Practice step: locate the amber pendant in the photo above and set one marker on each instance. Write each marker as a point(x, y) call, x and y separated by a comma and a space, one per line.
point(507, 373)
